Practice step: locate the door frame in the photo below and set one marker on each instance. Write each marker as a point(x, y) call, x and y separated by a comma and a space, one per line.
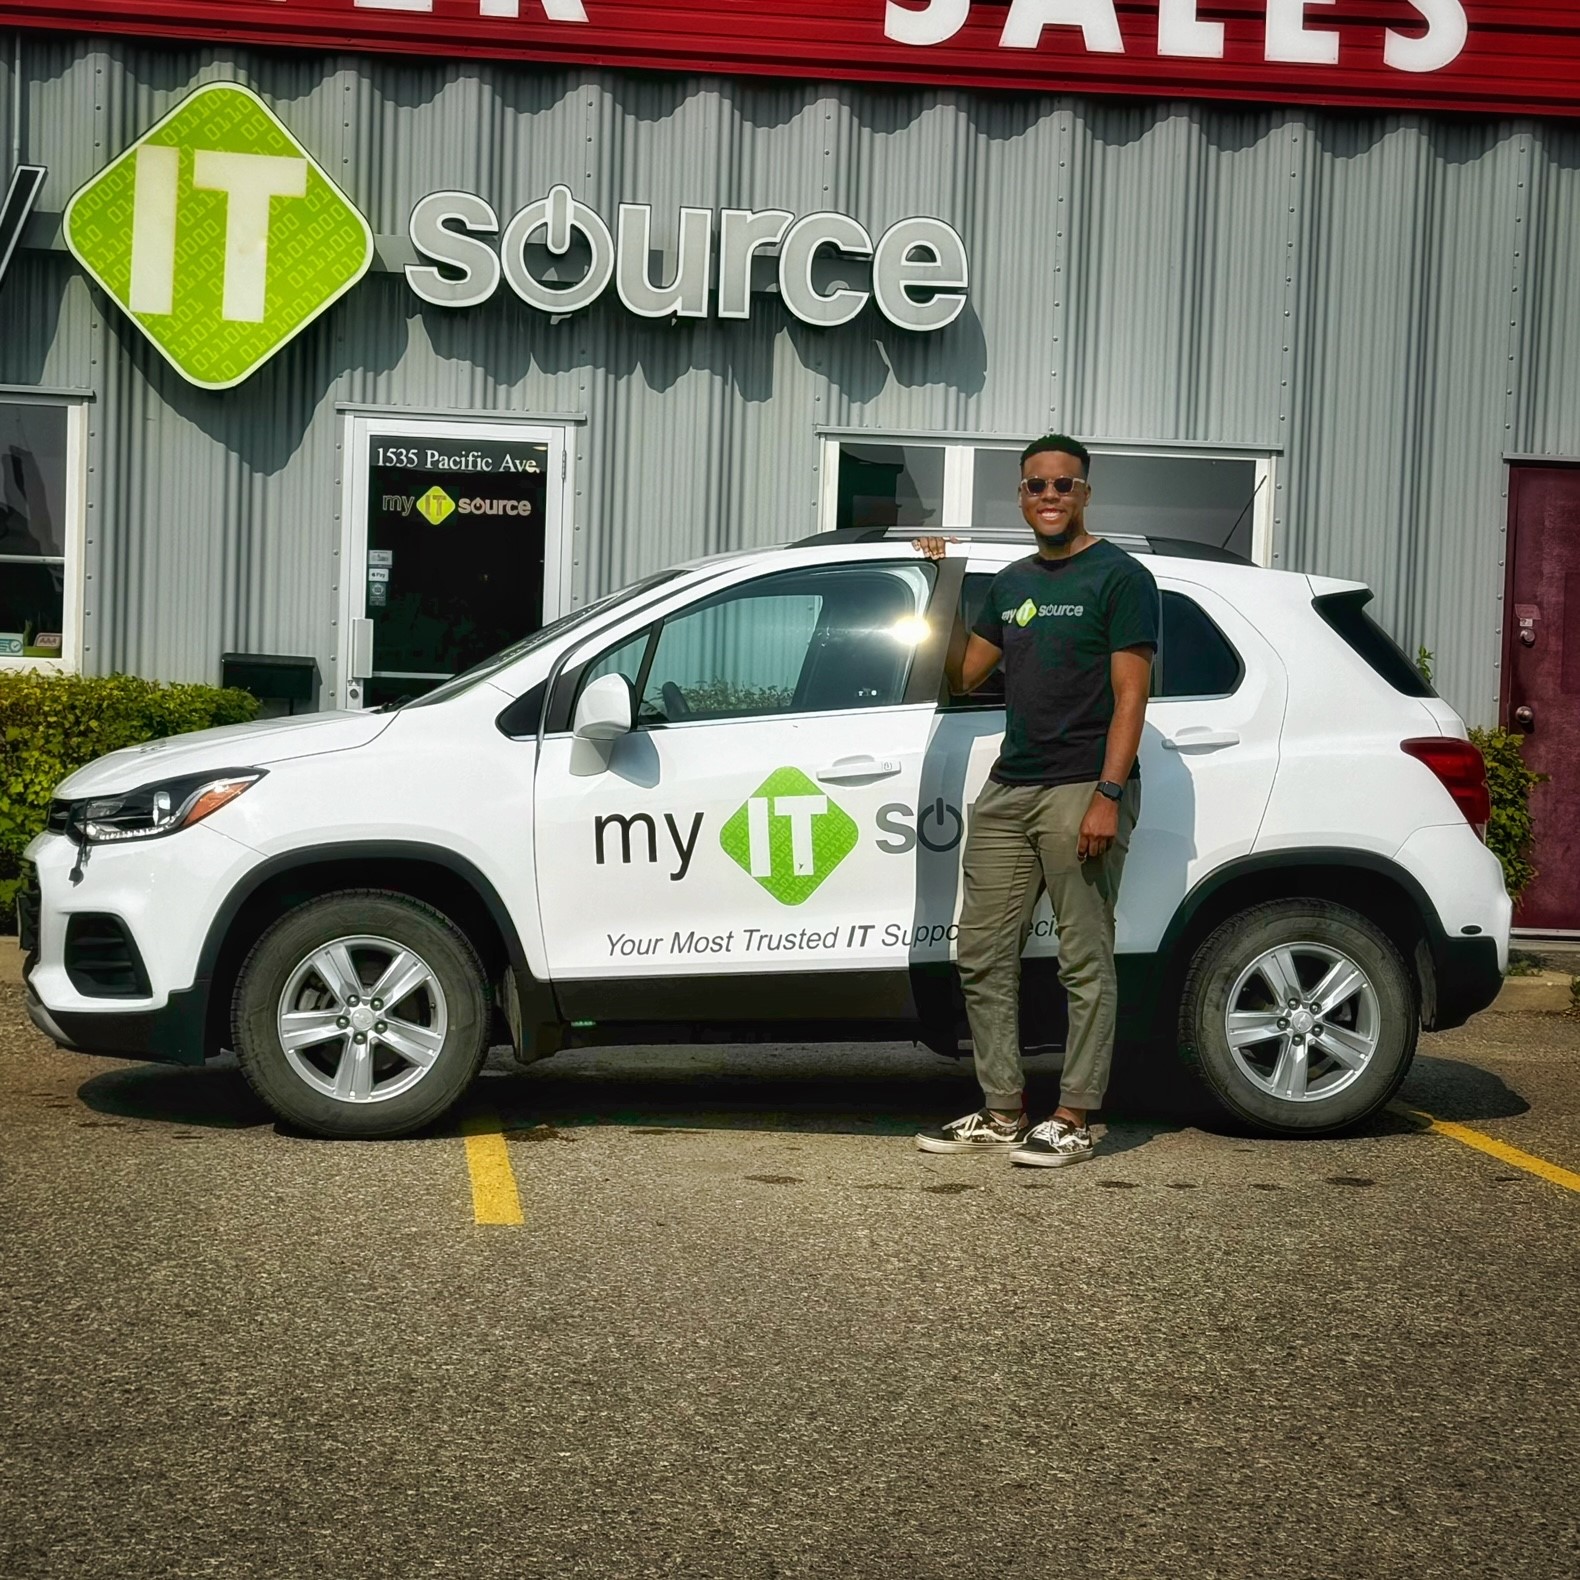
point(558, 434)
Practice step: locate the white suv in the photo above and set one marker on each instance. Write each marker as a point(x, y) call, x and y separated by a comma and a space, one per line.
point(729, 802)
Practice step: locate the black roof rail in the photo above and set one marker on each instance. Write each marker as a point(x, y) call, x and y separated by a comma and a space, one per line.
point(1189, 549)
point(841, 535)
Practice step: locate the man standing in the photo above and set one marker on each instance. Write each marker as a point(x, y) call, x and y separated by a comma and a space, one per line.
point(1076, 626)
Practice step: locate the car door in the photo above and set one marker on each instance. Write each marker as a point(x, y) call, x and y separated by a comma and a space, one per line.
point(725, 862)
point(1209, 755)
point(1209, 752)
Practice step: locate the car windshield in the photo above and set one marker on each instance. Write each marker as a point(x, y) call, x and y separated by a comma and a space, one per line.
point(539, 638)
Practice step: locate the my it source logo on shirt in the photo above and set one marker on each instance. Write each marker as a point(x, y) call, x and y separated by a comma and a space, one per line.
point(789, 836)
point(1030, 611)
point(219, 235)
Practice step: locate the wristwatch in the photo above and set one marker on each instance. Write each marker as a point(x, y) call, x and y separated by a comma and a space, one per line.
point(1107, 787)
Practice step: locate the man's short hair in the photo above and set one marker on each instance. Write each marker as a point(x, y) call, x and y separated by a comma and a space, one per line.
point(1064, 445)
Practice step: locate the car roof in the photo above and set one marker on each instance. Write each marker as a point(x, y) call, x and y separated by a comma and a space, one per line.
point(1238, 578)
point(1017, 537)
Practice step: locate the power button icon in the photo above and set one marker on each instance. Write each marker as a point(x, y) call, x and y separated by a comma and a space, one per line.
point(951, 825)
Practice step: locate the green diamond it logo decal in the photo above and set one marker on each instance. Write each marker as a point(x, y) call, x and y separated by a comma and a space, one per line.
point(436, 505)
point(219, 235)
point(789, 836)
point(1026, 613)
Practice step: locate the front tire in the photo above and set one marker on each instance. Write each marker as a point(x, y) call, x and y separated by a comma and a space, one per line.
point(361, 1014)
point(1300, 1016)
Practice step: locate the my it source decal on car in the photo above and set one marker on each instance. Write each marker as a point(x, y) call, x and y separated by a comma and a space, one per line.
point(219, 235)
point(790, 837)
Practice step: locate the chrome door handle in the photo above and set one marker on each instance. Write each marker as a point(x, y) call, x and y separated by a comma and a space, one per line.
point(1197, 739)
point(858, 770)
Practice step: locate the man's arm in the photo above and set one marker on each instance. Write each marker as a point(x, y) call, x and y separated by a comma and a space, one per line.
point(971, 660)
point(1130, 670)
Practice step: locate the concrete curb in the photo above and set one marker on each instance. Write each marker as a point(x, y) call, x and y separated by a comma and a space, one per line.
point(1545, 994)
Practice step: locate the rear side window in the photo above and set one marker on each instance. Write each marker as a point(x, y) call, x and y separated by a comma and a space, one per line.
point(1346, 613)
point(1195, 658)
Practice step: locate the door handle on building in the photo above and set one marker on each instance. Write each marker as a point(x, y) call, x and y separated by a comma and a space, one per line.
point(361, 649)
point(858, 770)
point(1198, 738)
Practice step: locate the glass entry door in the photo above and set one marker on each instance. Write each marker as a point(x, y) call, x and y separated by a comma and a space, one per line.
point(452, 549)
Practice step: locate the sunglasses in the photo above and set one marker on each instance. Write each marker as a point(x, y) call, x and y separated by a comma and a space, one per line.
point(1037, 486)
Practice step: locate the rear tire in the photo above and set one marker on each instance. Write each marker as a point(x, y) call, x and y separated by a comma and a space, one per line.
point(362, 1014)
point(1300, 1016)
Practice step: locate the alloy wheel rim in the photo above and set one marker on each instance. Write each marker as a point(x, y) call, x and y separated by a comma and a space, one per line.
point(1303, 1022)
point(362, 1019)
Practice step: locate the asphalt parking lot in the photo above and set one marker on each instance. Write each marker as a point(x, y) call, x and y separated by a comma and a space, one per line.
point(732, 1324)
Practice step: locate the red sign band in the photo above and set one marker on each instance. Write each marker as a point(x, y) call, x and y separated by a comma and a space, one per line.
point(1486, 56)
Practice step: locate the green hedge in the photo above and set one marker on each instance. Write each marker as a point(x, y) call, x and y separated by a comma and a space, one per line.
point(1511, 783)
point(51, 724)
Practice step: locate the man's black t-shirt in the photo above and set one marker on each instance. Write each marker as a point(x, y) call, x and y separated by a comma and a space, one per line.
point(1058, 622)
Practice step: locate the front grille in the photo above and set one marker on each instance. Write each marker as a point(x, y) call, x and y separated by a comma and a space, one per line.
point(59, 817)
point(29, 902)
point(101, 959)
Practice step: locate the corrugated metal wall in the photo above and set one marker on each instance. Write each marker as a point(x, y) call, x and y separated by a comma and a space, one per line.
point(1389, 301)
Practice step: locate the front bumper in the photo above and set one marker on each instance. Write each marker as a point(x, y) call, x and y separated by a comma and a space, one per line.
point(158, 901)
point(171, 1034)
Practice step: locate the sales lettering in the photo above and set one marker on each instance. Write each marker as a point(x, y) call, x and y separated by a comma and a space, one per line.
point(1292, 31)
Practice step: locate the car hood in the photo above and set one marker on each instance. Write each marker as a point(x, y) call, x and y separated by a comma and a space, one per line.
point(232, 746)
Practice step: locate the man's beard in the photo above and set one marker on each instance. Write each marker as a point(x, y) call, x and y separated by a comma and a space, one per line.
point(1058, 540)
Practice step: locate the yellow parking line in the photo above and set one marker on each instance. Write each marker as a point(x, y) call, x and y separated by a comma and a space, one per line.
point(1500, 1150)
point(495, 1198)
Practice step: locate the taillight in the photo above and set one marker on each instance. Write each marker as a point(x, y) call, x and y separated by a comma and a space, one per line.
point(1463, 773)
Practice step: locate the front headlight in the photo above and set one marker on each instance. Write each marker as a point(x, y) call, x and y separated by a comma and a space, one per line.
point(155, 809)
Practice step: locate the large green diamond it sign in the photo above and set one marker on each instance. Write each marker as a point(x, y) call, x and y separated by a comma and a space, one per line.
point(219, 235)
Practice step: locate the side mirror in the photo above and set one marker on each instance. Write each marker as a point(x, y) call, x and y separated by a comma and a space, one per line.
point(606, 710)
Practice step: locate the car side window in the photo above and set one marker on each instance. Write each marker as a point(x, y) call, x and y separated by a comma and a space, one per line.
point(990, 694)
point(1195, 658)
point(834, 637)
point(623, 660)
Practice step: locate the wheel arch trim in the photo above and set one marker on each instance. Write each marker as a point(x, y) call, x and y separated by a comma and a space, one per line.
point(1330, 858)
point(1423, 959)
point(529, 986)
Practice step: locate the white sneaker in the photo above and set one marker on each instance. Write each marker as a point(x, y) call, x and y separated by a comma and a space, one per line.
point(978, 1132)
point(1054, 1143)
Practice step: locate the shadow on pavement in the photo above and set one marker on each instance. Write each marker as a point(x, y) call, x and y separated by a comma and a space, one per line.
point(1452, 1089)
point(878, 1091)
point(214, 1095)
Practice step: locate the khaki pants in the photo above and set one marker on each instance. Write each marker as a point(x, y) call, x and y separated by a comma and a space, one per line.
point(1021, 838)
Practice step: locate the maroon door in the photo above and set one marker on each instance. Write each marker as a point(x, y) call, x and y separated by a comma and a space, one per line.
point(1541, 679)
